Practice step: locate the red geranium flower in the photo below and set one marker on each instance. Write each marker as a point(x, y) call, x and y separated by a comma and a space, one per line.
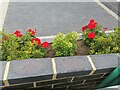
point(92, 24)
point(36, 40)
point(45, 44)
point(92, 21)
point(83, 28)
point(6, 37)
point(32, 31)
point(91, 35)
point(18, 33)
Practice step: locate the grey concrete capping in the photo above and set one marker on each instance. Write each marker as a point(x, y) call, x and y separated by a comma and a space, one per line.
point(119, 58)
point(105, 62)
point(2, 69)
point(68, 72)
point(72, 66)
point(30, 70)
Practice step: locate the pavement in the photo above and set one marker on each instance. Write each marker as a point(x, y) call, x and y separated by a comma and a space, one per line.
point(50, 18)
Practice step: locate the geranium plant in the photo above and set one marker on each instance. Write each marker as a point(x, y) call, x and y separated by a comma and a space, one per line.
point(91, 31)
point(65, 45)
point(22, 46)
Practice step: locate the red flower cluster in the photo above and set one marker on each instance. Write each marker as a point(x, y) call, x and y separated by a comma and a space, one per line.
point(83, 28)
point(92, 25)
point(18, 33)
point(44, 44)
point(32, 31)
point(36, 40)
point(91, 35)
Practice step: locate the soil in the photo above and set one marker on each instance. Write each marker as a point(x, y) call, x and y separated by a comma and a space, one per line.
point(82, 49)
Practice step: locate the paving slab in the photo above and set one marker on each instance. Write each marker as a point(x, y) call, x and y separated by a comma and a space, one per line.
point(49, 18)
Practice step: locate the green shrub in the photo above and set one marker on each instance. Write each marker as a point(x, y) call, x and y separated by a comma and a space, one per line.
point(17, 46)
point(115, 40)
point(101, 45)
point(65, 45)
point(106, 44)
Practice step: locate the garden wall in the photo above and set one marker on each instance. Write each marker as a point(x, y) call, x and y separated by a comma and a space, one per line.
point(58, 73)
